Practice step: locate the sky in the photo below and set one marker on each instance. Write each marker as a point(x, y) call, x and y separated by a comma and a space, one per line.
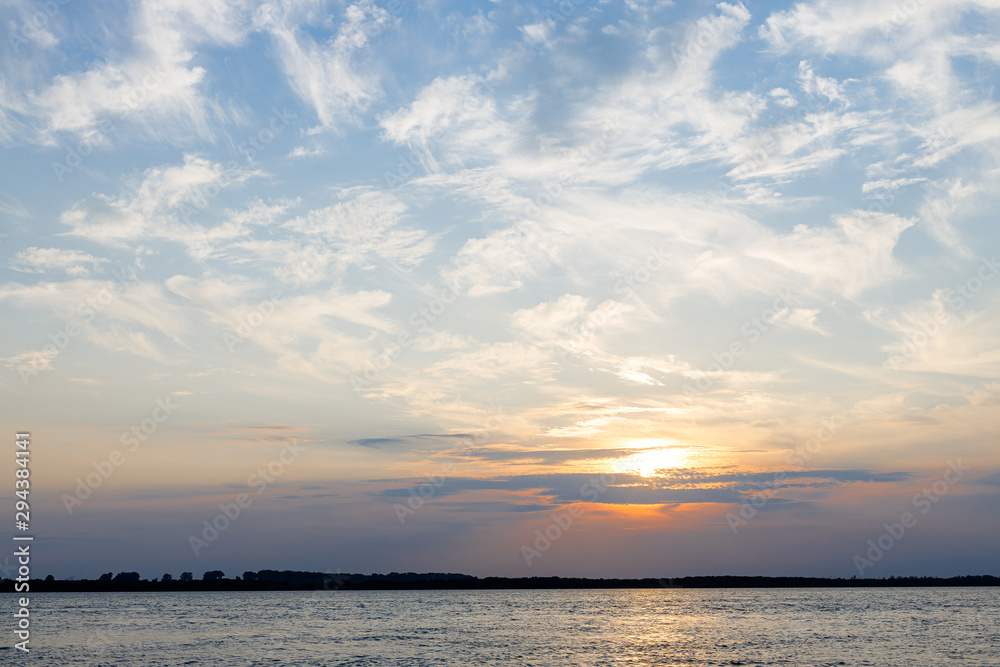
point(579, 288)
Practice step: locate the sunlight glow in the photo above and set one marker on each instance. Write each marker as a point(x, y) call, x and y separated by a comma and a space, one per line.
point(652, 458)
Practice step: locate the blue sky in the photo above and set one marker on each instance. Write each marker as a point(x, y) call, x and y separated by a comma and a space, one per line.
point(450, 261)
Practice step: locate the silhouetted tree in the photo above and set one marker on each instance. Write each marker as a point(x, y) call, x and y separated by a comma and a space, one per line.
point(127, 577)
point(213, 575)
point(106, 577)
point(249, 575)
point(167, 577)
point(186, 576)
point(50, 578)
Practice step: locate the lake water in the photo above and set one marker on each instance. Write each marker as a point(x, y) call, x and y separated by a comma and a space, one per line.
point(906, 627)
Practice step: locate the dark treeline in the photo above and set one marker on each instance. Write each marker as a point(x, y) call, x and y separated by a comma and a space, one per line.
point(274, 580)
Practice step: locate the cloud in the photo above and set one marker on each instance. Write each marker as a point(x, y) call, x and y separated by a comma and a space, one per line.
point(627, 489)
point(802, 318)
point(945, 202)
point(74, 263)
point(494, 360)
point(302, 151)
point(120, 316)
point(975, 127)
point(947, 333)
point(11, 205)
point(831, 26)
point(328, 76)
point(380, 443)
point(889, 184)
point(783, 97)
point(538, 32)
point(551, 320)
point(366, 223)
point(164, 203)
point(853, 256)
point(500, 262)
point(32, 361)
point(304, 333)
point(812, 84)
point(453, 117)
point(155, 88)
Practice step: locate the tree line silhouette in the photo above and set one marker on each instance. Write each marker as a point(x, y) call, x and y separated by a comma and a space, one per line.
point(296, 580)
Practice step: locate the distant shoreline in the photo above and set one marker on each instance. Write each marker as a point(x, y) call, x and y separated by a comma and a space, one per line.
point(310, 581)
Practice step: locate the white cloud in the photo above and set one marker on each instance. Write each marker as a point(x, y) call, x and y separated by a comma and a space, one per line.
point(454, 118)
point(802, 318)
point(74, 263)
point(366, 223)
point(812, 84)
point(501, 261)
point(442, 340)
point(783, 97)
point(328, 77)
point(302, 151)
point(636, 370)
point(850, 258)
point(549, 321)
point(11, 205)
point(155, 88)
point(794, 147)
point(538, 32)
point(117, 315)
point(830, 25)
point(164, 203)
point(946, 333)
point(493, 360)
point(889, 184)
point(944, 204)
point(303, 332)
point(975, 127)
point(32, 362)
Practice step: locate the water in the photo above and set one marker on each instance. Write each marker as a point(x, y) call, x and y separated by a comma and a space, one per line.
point(888, 627)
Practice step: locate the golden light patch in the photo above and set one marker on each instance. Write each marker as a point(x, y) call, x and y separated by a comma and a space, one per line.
point(652, 459)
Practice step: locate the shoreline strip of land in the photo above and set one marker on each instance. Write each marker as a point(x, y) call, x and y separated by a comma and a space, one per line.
point(288, 580)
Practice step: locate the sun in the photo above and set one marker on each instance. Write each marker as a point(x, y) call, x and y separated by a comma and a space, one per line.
point(654, 456)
